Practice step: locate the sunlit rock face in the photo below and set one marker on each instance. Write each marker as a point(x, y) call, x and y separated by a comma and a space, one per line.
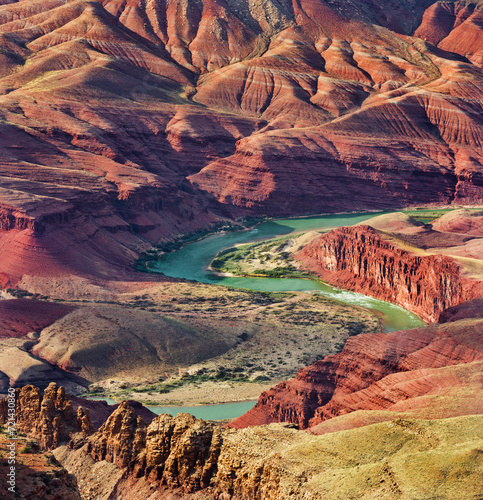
point(417, 371)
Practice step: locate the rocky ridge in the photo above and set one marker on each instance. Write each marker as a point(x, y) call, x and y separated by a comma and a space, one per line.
point(394, 371)
point(124, 125)
point(358, 258)
point(398, 386)
point(184, 457)
point(398, 260)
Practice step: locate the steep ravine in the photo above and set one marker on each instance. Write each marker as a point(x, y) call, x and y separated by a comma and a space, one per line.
point(359, 259)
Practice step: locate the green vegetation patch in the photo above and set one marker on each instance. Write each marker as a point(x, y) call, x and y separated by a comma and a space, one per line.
point(268, 258)
point(427, 215)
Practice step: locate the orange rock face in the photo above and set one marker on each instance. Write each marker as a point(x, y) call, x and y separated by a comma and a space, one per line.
point(416, 372)
point(125, 123)
point(50, 418)
point(380, 372)
point(178, 452)
point(358, 258)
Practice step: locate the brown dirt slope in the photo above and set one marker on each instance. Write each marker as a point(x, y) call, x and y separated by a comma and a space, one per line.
point(21, 316)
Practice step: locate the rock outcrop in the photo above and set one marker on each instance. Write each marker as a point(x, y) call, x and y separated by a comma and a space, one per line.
point(181, 456)
point(53, 416)
point(179, 452)
point(358, 258)
point(100, 410)
point(49, 418)
point(375, 372)
point(187, 458)
point(121, 437)
point(184, 457)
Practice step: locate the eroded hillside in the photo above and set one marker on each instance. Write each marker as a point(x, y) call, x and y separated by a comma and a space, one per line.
point(125, 123)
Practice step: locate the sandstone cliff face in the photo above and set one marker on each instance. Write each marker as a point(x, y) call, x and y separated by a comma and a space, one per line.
point(185, 455)
point(121, 438)
point(187, 458)
point(361, 376)
point(50, 419)
point(360, 259)
point(431, 372)
point(179, 452)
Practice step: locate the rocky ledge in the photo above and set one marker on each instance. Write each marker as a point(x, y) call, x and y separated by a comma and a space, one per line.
point(398, 260)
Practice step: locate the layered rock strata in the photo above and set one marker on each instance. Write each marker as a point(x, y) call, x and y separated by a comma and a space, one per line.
point(123, 125)
point(428, 373)
point(175, 452)
point(377, 372)
point(362, 259)
point(184, 457)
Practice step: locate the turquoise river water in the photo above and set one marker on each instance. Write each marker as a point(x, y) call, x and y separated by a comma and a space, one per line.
point(192, 262)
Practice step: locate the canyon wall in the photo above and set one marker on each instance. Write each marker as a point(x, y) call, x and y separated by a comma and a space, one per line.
point(419, 387)
point(360, 259)
point(125, 125)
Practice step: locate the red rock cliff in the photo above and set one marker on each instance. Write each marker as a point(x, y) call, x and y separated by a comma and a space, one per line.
point(359, 259)
point(375, 371)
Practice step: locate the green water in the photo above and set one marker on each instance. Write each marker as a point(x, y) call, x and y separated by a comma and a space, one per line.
point(191, 262)
point(226, 411)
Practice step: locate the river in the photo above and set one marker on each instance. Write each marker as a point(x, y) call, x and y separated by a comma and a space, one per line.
point(225, 411)
point(192, 261)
